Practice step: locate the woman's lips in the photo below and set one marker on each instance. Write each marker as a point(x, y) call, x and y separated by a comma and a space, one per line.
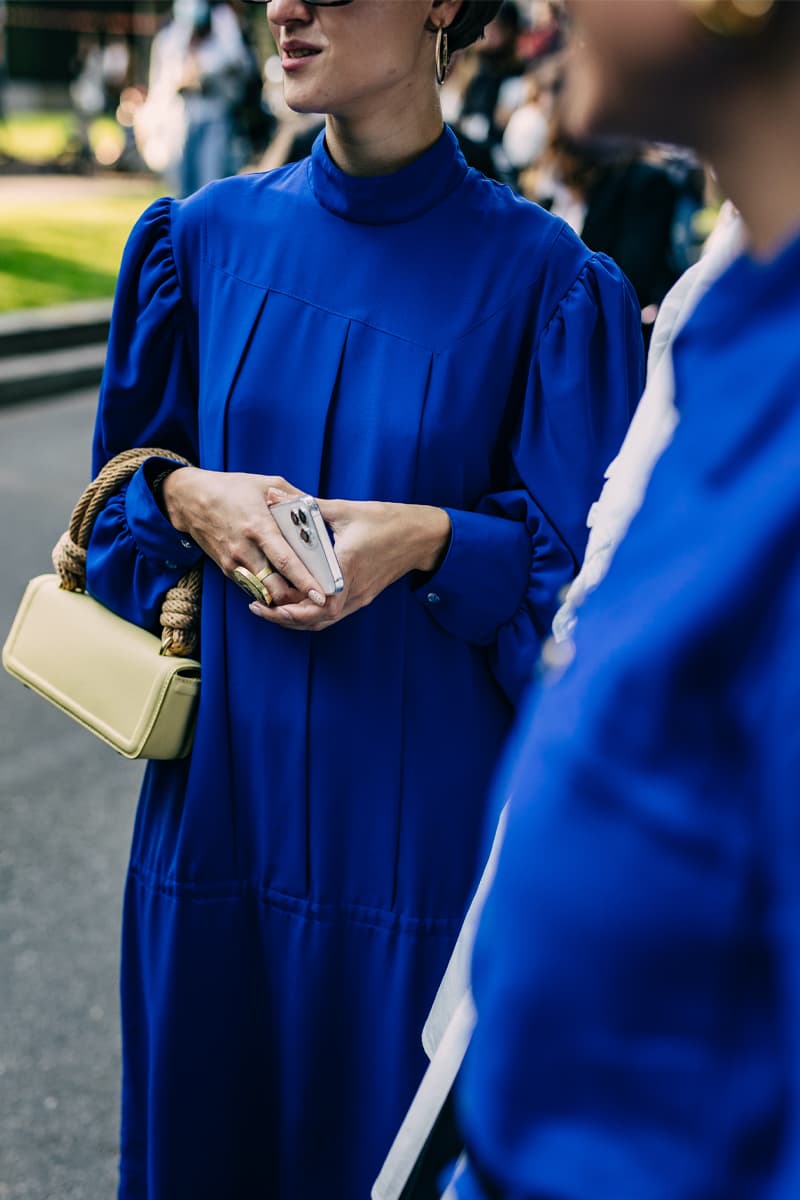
point(295, 56)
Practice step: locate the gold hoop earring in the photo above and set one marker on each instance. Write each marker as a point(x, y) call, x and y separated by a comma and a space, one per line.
point(441, 55)
point(731, 18)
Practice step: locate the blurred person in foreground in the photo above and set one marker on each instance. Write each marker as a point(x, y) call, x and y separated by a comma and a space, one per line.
point(450, 369)
point(637, 966)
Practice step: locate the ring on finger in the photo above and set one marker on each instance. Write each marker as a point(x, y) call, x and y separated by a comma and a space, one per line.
point(252, 584)
point(265, 572)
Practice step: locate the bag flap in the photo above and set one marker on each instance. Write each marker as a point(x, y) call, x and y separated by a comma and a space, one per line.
point(100, 668)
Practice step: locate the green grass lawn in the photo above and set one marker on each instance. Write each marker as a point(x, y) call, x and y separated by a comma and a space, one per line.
point(55, 252)
point(37, 137)
point(46, 137)
point(57, 245)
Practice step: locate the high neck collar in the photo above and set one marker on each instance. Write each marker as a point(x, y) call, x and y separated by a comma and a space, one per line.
point(388, 199)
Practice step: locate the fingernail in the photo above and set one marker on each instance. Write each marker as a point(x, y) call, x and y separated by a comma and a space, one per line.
point(254, 609)
point(317, 597)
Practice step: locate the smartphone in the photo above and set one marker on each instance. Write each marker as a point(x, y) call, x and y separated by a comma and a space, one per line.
point(301, 523)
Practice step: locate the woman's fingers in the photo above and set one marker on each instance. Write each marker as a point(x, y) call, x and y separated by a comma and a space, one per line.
point(284, 492)
point(335, 511)
point(277, 550)
point(281, 591)
point(291, 580)
point(227, 514)
point(278, 588)
point(304, 615)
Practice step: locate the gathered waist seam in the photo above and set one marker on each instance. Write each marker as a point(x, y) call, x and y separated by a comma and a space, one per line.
point(295, 906)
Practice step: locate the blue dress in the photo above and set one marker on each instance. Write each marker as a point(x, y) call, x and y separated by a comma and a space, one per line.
point(296, 886)
point(637, 968)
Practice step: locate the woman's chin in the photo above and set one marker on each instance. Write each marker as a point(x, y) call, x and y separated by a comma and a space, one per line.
point(303, 107)
point(301, 97)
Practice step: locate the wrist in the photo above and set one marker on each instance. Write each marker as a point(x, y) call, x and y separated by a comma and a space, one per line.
point(434, 531)
point(172, 494)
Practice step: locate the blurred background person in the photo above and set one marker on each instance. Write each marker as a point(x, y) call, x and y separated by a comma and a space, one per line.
point(496, 61)
point(526, 133)
point(544, 34)
point(115, 69)
point(199, 68)
point(628, 201)
point(88, 93)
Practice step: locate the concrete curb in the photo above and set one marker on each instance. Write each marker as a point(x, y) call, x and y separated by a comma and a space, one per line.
point(34, 376)
point(47, 351)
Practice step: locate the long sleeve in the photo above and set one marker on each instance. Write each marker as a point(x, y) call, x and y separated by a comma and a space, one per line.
point(652, 427)
point(509, 558)
point(148, 398)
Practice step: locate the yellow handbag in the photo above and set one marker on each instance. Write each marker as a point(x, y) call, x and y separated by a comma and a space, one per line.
point(134, 690)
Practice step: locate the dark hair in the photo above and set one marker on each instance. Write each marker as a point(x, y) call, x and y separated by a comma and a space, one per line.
point(470, 22)
point(509, 16)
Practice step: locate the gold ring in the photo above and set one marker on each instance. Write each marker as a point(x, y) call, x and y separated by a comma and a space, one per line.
point(265, 572)
point(251, 584)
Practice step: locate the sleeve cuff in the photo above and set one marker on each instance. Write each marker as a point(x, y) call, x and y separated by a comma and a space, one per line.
point(155, 537)
point(482, 579)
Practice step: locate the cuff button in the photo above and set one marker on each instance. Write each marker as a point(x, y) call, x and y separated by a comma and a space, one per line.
point(433, 598)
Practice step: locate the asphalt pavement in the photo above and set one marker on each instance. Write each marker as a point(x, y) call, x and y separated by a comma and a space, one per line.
point(66, 812)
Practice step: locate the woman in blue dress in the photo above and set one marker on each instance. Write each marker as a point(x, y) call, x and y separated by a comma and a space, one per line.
point(380, 325)
point(637, 968)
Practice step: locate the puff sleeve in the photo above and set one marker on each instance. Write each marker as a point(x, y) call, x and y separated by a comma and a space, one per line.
point(508, 559)
point(148, 397)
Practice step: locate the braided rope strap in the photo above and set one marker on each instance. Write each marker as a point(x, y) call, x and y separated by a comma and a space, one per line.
point(180, 610)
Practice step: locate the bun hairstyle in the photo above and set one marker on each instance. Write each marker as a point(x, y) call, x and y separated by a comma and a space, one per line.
point(470, 22)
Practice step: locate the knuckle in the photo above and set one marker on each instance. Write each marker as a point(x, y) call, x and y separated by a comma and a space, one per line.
point(281, 561)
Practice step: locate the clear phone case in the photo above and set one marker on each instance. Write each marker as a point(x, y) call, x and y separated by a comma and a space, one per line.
point(301, 523)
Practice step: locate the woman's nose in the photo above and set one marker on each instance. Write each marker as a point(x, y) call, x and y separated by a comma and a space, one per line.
point(287, 12)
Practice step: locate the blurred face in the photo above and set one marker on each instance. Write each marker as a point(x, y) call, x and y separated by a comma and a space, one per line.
point(342, 59)
point(638, 67)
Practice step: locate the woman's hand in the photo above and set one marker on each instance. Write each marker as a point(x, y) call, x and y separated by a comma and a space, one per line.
point(376, 544)
point(227, 515)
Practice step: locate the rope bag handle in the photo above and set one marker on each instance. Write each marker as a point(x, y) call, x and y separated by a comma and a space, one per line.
point(180, 611)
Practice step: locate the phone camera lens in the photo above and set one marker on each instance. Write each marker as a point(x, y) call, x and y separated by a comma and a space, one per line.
point(305, 536)
point(303, 517)
point(295, 517)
